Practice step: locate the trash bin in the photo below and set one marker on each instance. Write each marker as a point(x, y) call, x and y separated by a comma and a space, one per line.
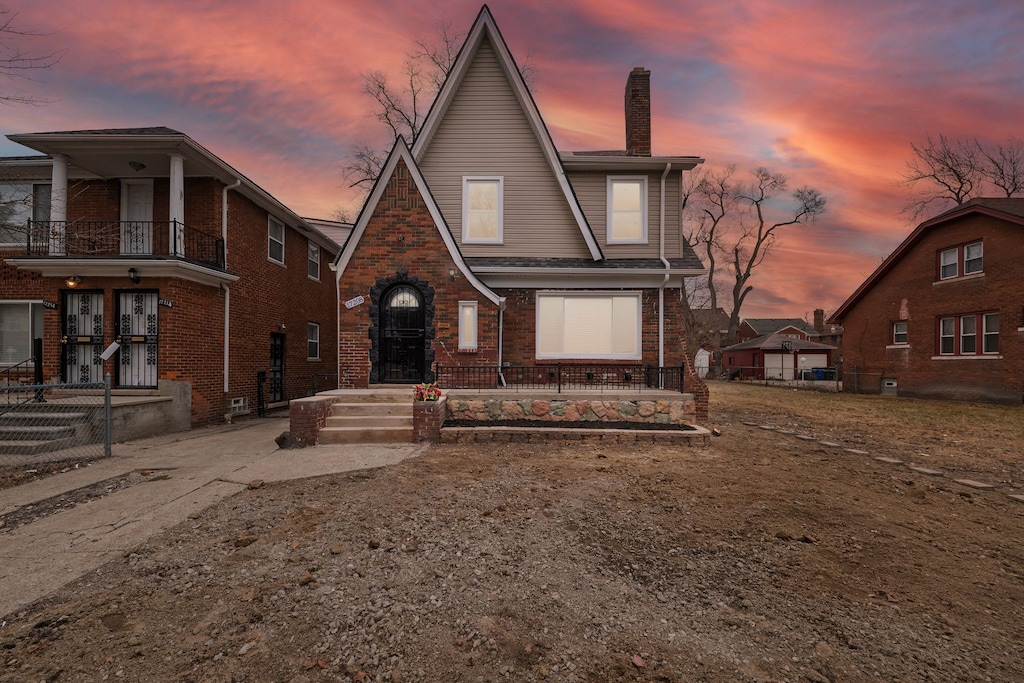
point(819, 373)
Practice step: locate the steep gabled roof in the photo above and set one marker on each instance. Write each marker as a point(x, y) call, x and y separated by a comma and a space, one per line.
point(485, 27)
point(401, 152)
point(1010, 209)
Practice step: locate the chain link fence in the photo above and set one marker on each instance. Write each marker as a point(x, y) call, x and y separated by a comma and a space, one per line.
point(54, 422)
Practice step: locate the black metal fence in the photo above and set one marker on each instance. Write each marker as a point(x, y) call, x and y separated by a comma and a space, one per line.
point(124, 238)
point(559, 377)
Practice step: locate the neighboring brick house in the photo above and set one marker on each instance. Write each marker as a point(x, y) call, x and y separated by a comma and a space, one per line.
point(144, 237)
point(781, 356)
point(942, 315)
point(751, 328)
point(483, 246)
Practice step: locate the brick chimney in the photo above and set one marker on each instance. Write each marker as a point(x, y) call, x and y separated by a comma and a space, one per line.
point(638, 113)
point(819, 320)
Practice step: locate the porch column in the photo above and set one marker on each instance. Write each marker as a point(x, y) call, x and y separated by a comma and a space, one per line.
point(58, 204)
point(176, 211)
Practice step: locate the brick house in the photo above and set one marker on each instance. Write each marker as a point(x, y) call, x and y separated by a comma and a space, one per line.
point(482, 246)
point(781, 356)
point(144, 237)
point(942, 315)
point(751, 328)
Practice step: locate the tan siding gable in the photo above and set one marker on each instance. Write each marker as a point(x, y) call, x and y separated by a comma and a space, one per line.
point(592, 193)
point(486, 133)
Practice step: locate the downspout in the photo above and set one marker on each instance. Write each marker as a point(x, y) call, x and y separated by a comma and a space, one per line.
point(668, 266)
point(501, 334)
point(227, 290)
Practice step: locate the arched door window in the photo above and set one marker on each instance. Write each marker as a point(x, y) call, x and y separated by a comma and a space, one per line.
point(403, 335)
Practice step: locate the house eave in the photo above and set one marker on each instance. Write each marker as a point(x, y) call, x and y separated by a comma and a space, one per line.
point(573, 162)
point(63, 267)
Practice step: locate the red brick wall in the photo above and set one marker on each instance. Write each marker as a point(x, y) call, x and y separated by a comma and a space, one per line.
point(909, 292)
point(401, 237)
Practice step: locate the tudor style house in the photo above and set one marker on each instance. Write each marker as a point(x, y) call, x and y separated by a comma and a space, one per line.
point(145, 238)
point(482, 246)
point(943, 315)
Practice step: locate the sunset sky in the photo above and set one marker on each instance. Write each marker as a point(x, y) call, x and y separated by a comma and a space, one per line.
point(830, 93)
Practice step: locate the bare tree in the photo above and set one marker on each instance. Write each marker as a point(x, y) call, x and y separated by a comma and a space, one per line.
point(944, 172)
point(402, 106)
point(729, 224)
point(15, 62)
point(1003, 166)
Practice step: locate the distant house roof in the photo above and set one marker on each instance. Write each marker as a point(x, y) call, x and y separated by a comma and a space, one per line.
point(1010, 209)
point(774, 342)
point(770, 325)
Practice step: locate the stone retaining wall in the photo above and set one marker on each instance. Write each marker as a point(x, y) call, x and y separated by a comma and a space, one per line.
point(659, 411)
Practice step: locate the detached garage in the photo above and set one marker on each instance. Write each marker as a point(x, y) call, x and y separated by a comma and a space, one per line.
point(776, 356)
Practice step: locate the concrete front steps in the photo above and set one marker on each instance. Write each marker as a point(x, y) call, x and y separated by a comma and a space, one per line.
point(30, 432)
point(378, 417)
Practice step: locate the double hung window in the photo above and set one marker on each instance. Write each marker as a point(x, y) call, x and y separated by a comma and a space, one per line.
point(627, 210)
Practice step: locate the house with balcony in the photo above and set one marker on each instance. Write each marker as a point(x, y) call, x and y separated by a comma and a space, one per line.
point(144, 244)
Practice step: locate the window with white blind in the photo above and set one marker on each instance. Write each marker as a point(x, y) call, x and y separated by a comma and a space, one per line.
point(20, 323)
point(627, 210)
point(275, 240)
point(482, 207)
point(591, 325)
point(467, 325)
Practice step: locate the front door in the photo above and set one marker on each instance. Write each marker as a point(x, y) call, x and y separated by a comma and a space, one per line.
point(137, 333)
point(137, 217)
point(276, 377)
point(403, 335)
point(81, 337)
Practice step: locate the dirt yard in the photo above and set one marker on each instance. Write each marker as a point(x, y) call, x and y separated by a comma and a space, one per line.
point(764, 557)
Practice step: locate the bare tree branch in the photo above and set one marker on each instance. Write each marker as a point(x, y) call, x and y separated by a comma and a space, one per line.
point(17, 63)
point(1003, 166)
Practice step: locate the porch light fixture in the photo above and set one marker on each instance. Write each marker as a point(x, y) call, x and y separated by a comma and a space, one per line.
point(73, 281)
point(137, 165)
point(133, 275)
point(452, 274)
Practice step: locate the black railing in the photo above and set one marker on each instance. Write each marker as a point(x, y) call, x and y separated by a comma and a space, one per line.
point(559, 377)
point(131, 239)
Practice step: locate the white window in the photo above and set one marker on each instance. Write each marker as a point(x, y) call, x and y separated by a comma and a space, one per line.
point(482, 209)
point(948, 260)
point(275, 240)
point(968, 335)
point(20, 323)
point(20, 202)
point(899, 333)
point(313, 341)
point(973, 258)
point(947, 333)
point(588, 325)
point(313, 262)
point(627, 210)
point(467, 325)
point(990, 323)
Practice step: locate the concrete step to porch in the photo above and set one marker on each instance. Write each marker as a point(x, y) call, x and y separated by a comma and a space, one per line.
point(343, 435)
point(36, 432)
point(371, 409)
point(38, 418)
point(13, 447)
point(374, 417)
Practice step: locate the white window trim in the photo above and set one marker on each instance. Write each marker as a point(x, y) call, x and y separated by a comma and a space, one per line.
point(309, 338)
point(591, 293)
point(955, 263)
point(30, 188)
point(271, 221)
point(642, 180)
point(313, 248)
point(466, 180)
point(981, 258)
point(30, 303)
point(474, 343)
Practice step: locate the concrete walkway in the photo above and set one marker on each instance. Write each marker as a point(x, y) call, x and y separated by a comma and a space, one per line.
point(204, 466)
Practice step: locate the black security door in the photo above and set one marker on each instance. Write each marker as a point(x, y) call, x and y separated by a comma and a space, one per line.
point(276, 388)
point(402, 335)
